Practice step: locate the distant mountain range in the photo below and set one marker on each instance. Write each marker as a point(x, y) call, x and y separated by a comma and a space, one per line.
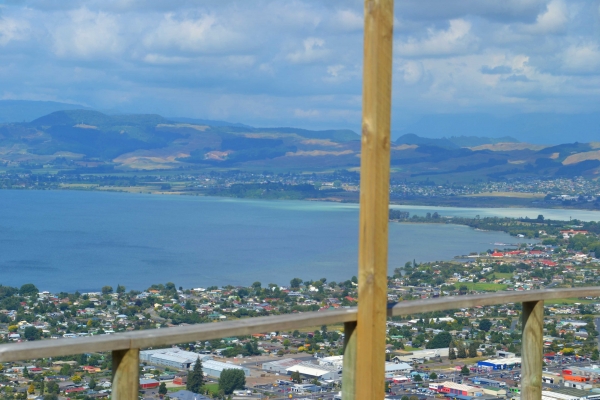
point(453, 142)
point(538, 128)
point(25, 110)
point(86, 141)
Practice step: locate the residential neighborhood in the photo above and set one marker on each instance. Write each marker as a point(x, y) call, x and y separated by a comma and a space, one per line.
point(462, 353)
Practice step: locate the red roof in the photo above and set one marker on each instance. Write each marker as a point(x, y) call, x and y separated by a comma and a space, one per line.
point(497, 254)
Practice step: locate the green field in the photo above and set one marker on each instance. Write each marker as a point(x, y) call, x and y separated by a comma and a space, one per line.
point(500, 275)
point(559, 302)
point(212, 387)
point(487, 287)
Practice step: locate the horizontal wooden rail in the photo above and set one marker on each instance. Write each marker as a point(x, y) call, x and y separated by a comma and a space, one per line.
point(488, 299)
point(191, 333)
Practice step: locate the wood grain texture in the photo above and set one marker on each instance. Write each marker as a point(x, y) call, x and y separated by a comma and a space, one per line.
point(125, 374)
point(374, 199)
point(191, 333)
point(349, 375)
point(532, 350)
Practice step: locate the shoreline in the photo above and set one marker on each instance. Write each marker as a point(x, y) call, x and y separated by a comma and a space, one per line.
point(480, 204)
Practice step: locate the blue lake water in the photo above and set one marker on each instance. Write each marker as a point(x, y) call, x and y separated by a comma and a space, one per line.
point(70, 240)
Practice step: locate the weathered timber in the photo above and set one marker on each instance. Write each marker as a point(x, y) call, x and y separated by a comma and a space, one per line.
point(374, 199)
point(349, 377)
point(185, 334)
point(125, 374)
point(532, 350)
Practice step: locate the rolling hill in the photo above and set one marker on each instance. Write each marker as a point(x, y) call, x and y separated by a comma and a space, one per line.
point(91, 141)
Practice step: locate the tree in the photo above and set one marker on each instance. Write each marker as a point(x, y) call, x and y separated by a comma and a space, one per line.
point(25, 372)
point(53, 388)
point(232, 379)
point(461, 351)
point(162, 389)
point(451, 352)
point(485, 325)
point(296, 377)
point(295, 283)
point(76, 379)
point(107, 289)
point(32, 333)
point(595, 355)
point(92, 384)
point(465, 370)
point(120, 289)
point(65, 370)
point(31, 389)
point(418, 378)
point(28, 289)
point(195, 379)
point(473, 349)
point(433, 375)
point(50, 396)
point(440, 341)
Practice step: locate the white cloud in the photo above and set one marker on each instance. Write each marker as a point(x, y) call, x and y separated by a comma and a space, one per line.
point(412, 72)
point(306, 113)
point(313, 49)
point(553, 20)
point(88, 34)
point(583, 58)
point(196, 35)
point(348, 20)
point(159, 59)
point(457, 39)
point(334, 70)
point(12, 29)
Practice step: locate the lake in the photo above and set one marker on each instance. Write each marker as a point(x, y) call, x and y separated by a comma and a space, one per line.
point(78, 240)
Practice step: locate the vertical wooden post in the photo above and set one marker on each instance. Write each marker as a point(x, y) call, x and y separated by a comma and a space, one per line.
point(374, 199)
point(532, 350)
point(349, 374)
point(125, 374)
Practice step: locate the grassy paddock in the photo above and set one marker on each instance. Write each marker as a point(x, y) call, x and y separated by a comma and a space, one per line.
point(212, 387)
point(482, 286)
point(500, 275)
point(558, 302)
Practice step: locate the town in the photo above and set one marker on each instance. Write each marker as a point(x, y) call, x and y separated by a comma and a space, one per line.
point(339, 185)
point(459, 354)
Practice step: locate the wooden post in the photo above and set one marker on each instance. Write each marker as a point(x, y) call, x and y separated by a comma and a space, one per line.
point(349, 377)
point(532, 350)
point(374, 199)
point(125, 374)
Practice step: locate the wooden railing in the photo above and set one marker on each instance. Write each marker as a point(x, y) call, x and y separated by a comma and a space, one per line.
point(125, 347)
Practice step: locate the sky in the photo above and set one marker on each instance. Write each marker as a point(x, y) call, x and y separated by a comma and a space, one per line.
point(299, 62)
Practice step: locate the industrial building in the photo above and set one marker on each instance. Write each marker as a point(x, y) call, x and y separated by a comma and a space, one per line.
point(280, 366)
point(503, 363)
point(458, 389)
point(214, 368)
point(334, 361)
point(173, 357)
point(314, 371)
point(487, 382)
point(149, 383)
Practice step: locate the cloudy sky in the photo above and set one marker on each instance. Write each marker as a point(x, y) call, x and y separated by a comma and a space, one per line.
point(298, 62)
